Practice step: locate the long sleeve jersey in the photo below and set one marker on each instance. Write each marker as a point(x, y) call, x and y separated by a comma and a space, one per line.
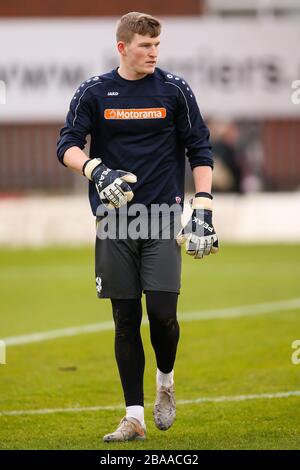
point(143, 126)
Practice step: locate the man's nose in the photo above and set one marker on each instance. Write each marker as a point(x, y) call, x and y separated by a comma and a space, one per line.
point(153, 51)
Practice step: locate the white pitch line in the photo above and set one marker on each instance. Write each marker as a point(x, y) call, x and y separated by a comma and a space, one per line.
point(53, 334)
point(224, 313)
point(233, 398)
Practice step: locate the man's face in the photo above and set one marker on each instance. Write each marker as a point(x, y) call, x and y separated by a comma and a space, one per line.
point(141, 53)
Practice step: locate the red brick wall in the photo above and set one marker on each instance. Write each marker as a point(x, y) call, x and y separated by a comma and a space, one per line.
point(281, 143)
point(28, 158)
point(20, 8)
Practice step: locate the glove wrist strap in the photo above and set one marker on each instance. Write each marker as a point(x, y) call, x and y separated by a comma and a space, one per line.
point(202, 203)
point(89, 166)
point(202, 194)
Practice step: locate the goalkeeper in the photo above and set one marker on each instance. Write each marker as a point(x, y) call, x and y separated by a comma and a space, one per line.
point(142, 121)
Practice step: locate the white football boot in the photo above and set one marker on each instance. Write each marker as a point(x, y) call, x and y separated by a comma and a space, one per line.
point(129, 429)
point(164, 411)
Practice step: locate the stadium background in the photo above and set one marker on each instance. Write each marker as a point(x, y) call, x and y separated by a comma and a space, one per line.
point(241, 59)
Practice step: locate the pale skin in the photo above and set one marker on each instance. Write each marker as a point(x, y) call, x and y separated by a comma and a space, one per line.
point(138, 59)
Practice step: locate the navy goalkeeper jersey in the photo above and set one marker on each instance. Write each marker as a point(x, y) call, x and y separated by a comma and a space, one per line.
point(143, 126)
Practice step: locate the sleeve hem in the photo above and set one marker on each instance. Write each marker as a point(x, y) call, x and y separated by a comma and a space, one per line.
point(194, 165)
point(61, 153)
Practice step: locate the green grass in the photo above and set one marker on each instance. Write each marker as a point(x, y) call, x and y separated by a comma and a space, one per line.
point(53, 288)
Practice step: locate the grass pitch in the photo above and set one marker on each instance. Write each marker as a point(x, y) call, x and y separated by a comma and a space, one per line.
point(42, 290)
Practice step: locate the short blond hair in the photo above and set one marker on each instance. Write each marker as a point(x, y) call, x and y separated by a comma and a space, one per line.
point(135, 22)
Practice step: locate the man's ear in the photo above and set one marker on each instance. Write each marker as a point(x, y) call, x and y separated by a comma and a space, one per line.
point(121, 46)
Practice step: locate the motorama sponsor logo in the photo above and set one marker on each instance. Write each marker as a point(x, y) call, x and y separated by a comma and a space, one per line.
point(144, 113)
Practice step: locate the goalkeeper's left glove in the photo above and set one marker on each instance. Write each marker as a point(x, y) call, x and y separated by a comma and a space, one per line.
point(199, 234)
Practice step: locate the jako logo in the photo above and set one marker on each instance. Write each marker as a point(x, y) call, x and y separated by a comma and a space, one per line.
point(112, 93)
point(147, 113)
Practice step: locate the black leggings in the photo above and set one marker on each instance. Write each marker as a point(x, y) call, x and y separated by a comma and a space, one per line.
point(164, 333)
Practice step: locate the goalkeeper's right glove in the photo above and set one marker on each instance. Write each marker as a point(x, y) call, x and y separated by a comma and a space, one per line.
point(111, 185)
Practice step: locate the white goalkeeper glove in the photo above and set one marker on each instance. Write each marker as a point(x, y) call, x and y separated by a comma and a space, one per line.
point(111, 185)
point(199, 234)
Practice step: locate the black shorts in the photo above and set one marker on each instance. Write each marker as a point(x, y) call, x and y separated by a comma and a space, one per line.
point(125, 268)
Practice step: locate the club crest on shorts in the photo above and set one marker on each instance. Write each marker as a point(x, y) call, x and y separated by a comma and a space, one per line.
point(178, 199)
point(98, 284)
